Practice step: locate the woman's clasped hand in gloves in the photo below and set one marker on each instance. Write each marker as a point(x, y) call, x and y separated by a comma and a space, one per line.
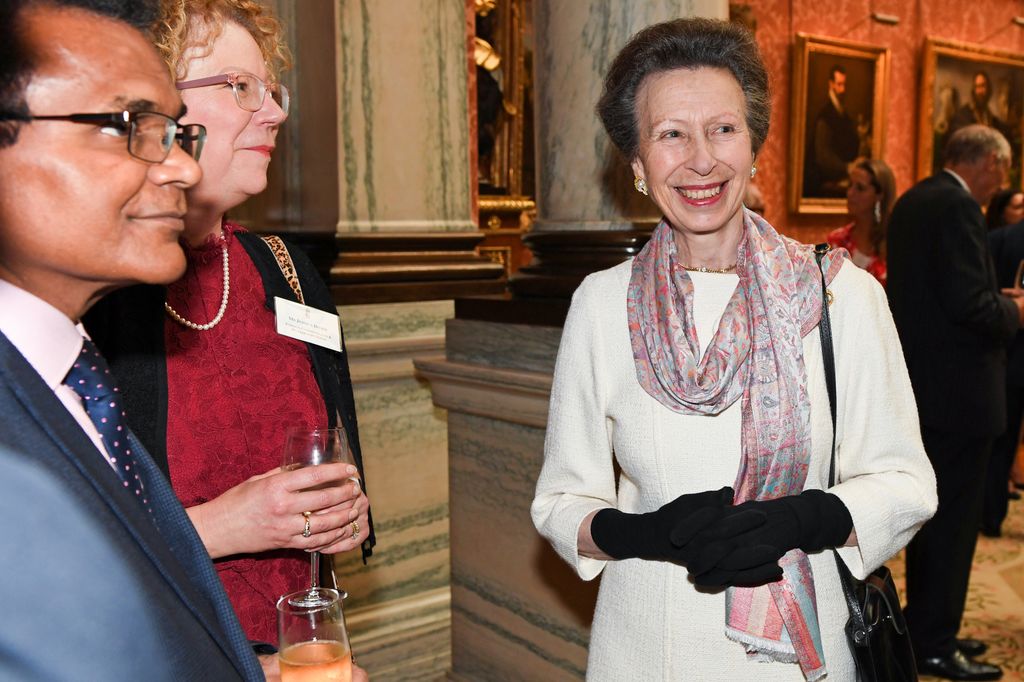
point(723, 545)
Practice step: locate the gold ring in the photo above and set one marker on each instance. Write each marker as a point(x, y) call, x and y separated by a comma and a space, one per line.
point(305, 531)
point(355, 530)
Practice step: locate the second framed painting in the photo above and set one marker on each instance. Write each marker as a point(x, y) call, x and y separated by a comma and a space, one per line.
point(838, 114)
point(963, 84)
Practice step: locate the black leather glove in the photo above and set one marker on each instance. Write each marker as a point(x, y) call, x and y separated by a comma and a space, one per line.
point(665, 534)
point(811, 521)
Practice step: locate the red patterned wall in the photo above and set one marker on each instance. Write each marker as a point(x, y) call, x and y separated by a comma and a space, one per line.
point(983, 22)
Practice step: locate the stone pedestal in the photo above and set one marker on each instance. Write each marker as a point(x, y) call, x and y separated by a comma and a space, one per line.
point(398, 613)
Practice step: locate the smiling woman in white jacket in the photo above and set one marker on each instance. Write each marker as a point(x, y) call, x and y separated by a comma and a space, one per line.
point(696, 368)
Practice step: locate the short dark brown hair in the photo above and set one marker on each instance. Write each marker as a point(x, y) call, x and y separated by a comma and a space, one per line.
point(18, 60)
point(683, 44)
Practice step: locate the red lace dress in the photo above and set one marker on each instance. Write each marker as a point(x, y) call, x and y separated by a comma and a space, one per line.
point(841, 237)
point(232, 392)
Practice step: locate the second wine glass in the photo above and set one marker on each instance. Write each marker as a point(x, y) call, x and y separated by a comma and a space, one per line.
point(312, 447)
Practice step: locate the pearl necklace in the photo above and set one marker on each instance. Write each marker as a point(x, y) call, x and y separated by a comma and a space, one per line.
point(717, 271)
point(223, 301)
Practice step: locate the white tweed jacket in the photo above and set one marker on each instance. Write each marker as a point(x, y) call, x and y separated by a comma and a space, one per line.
point(650, 622)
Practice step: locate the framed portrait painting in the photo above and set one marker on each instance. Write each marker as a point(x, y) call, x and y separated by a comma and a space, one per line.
point(963, 84)
point(838, 115)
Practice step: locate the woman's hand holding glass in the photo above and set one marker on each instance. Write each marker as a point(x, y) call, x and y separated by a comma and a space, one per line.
point(266, 512)
point(313, 449)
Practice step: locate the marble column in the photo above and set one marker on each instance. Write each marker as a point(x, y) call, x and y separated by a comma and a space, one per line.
point(405, 236)
point(518, 611)
point(405, 213)
point(586, 203)
point(403, 119)
point(583, 184)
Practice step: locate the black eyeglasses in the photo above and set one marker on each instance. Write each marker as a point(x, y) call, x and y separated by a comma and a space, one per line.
point(151, 135)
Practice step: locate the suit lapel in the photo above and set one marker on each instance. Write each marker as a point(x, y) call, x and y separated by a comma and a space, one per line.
point(73, 448)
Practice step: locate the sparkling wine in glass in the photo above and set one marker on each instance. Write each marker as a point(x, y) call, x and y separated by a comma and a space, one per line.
point(312, 447)
point(312, 640)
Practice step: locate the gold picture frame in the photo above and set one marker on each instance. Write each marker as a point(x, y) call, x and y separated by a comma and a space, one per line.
point(502, 56)
point(824, 137)
point(950, 97)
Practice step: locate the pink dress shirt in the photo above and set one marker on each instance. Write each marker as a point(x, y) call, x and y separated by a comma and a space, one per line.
point(50, 342)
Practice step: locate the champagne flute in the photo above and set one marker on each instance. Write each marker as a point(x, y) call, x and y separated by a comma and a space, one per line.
point(312, 447)
point(312, 639)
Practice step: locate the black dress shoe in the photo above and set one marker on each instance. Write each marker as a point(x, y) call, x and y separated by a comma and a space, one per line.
point(971, 647)
point(990, 532)
point(957, 667)
point(1013, 495)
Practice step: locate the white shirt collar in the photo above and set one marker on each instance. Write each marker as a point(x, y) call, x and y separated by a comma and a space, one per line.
point(47, 338)
point(962, 182)
point(835, 101)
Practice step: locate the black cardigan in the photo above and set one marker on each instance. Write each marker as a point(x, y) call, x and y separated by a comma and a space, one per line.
point(128, 328)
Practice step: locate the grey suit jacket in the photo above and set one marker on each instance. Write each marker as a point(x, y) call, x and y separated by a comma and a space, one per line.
point(93, 587)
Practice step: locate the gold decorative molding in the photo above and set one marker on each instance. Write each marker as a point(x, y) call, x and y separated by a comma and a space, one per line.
point(484, 7)
point(506, 204)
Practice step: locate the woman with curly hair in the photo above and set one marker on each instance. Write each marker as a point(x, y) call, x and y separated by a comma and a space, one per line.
point(210, 385)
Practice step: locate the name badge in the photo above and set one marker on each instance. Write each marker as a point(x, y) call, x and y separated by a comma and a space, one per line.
point(301, 322)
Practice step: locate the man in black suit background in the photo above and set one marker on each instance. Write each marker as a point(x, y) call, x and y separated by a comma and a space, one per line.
point(954, 326)
point(1007, 245)
point(92, 196)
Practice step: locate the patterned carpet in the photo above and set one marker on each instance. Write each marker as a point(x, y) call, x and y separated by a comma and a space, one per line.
point(995, 602)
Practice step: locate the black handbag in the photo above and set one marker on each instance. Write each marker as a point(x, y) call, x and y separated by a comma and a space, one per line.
point(876, 631)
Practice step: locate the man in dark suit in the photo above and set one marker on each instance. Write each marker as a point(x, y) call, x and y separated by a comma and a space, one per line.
point(88, 204)
point(977, 109)
point(954, 326)
point(1007, 245)
point(834, 142)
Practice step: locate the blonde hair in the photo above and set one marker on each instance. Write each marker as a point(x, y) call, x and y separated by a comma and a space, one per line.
point(185, 24)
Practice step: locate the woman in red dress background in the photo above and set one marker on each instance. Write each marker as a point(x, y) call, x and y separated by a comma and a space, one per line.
point(869, 202)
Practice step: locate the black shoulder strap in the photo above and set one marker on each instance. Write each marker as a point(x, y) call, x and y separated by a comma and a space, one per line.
point(846, 579)
point(827, 355)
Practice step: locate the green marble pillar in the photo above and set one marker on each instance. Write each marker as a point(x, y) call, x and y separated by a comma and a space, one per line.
point(582, 184)
point(402, 125)
point(403, 118)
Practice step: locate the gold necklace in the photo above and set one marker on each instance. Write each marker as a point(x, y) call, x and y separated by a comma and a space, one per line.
point(717, 271)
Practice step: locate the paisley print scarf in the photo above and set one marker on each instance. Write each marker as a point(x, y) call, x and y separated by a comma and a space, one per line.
point(755, 356)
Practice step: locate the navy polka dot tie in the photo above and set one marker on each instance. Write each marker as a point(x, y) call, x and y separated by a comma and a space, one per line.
point(91, 379)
